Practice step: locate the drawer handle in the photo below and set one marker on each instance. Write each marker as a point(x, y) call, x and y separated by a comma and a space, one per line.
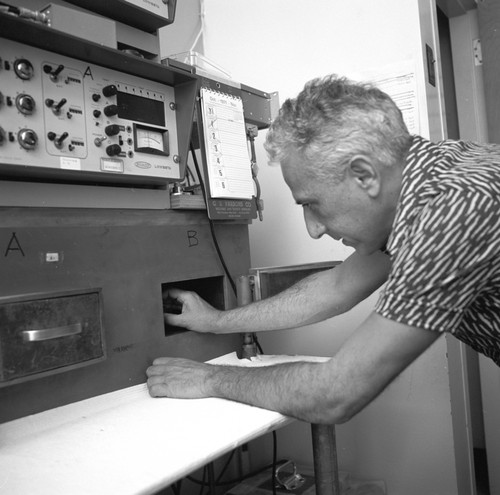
point(52, 333)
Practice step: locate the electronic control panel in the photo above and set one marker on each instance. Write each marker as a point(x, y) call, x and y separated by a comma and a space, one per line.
point(66, 118)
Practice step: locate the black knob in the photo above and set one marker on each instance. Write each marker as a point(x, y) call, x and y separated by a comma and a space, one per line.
point(112, 129)
point(110, 110)
point(113, 150)
point(96, 97)
point(110, 90)
point(97, 113)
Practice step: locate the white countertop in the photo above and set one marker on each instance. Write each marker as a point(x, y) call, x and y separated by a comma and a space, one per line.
point(124, 442)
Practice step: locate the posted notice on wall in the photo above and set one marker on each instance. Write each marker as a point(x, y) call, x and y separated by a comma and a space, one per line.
point(399, 82)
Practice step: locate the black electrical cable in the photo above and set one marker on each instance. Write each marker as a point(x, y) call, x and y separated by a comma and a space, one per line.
point(214, 237)
point(275, 460)
point(203, 482)
point(251, 135)
point(211, 223)
point(224, 468)
point(222, 472)
point(176, 487)
point(257, 343)
point(190, 174)
point(233, 285)
point(10, 8)
point(24, 13)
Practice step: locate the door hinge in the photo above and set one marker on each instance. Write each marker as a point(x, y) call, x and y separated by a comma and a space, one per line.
point(476, 50)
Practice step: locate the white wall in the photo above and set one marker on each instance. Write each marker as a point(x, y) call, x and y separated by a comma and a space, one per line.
point(405, 436)
point(185, 33)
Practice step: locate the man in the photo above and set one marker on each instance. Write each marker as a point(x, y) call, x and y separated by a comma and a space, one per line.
point(422, 217)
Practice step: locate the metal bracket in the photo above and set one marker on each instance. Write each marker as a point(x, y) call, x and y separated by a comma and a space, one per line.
point(287, 476)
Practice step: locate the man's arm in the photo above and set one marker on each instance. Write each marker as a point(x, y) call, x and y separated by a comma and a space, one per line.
point(330, 392)
point(315, 298)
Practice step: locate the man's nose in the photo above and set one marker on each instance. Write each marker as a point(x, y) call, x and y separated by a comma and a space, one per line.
point(315, 228)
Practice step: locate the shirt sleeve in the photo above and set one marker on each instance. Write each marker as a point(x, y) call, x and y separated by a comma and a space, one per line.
point(442, 263)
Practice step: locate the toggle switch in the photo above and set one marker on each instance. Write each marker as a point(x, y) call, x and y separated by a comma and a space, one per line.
point(59, 141)
point(53, 72)
point(57, 108)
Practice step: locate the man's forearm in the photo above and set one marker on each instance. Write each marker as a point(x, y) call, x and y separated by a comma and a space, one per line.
point(313, 299)
point(332, 391)
point(297, 306)
point(327, 392)
point(285, 388)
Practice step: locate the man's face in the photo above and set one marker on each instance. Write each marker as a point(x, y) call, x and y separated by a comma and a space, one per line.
point(351, 210)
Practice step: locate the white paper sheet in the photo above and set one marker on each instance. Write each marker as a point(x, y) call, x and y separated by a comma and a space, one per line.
point(229, 168)
point(399, 82)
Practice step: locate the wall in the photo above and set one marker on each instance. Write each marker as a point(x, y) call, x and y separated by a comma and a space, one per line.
point(185, 33)
point(489, 18)
point(405, 436)
point(473, 126)
point(468, 78)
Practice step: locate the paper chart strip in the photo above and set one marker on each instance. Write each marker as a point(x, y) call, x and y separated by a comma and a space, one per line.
point(229, 171)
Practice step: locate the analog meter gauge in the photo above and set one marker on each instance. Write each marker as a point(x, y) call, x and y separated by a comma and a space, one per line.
point(151, 140)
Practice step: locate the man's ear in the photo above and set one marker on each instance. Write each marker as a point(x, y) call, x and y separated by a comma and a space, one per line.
point(365, 174)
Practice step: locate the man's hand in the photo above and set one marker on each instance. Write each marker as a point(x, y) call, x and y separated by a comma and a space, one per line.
point(196, 314)
point(177, 377)
point(326, 392)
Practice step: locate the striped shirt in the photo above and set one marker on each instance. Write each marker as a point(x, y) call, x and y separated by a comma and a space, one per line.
point(445, 244)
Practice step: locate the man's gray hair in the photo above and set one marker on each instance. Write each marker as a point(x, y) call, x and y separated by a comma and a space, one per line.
point(331, 120)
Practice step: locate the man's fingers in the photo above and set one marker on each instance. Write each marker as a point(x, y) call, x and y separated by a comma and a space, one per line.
point(172, 319)
point(154, 371)
point(166, 360)
point(157, 389)
point(175, 293)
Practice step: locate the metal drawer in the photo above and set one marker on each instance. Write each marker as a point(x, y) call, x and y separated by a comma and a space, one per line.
point(45, 334)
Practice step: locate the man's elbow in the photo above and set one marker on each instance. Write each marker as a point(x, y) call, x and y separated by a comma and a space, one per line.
point(341, 411)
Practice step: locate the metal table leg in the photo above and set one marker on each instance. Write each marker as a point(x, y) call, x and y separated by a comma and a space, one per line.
point(326, 471)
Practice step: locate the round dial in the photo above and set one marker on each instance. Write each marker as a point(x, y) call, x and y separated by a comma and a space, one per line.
point(23, 69)
point(25, 104)
point(27, 138)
